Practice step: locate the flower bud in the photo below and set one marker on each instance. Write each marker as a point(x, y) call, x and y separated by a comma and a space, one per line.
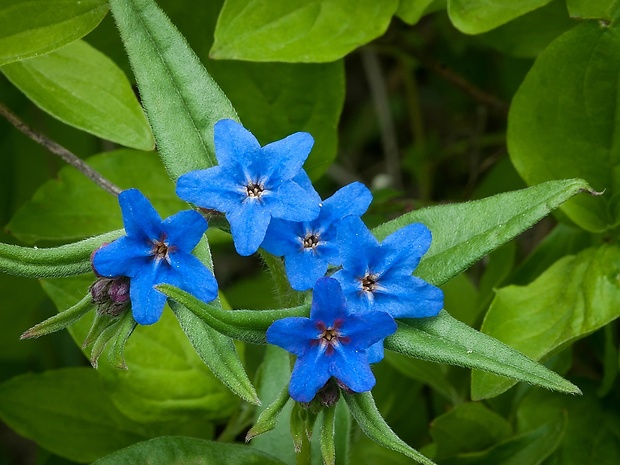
point(111, 295)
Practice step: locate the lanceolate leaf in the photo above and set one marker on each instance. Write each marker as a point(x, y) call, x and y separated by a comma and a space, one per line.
point(56, 262)
point(82, 87)
point(464, 233)
point(183, 102)
point(33, 27)
point(446, 340)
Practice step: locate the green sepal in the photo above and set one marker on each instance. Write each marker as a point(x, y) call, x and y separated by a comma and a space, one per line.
point(126, 325)
point(60, 320)
point(100, 324)
point(244, 325)
point(217, 351)
point(183, 103)
point(266, 421)
point(327, 436)
point(362, 407)
point(444, 339)
point(106, 336)
point(297, 426)
point(54, 262)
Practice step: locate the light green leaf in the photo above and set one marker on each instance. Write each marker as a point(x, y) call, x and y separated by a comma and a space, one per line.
point(83, 88)
point(33, 27)
point(65, 205)
point(464, 233)
point(165, 379)
point(446, 340)
point(590, 9)
point(185, 451)
point(563, 123)
point(573, 298)
point(306, 31)
point(183, 102)
point(411, 11)
point(67, 412)
point(476, 16)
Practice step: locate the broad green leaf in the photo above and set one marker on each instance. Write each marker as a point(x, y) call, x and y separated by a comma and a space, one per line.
point(476, 16)
point(53, 262)
point(411, 11)
point(65, 205)
point(82, 87)
point(468, 427)
point(464, 233)
point(590, 9)
point(165, 379)
point(182, 102)
point(529, 34)
point(67, 412)
point(364, 451)
point(365, 413)
point(562, 121)
point(33, 27)
point(306, 31)
point(185, 451)
point(573, 298)
point(446, 340)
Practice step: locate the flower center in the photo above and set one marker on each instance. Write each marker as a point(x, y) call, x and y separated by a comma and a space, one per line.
point(254, 189)
point(311, 241)
point(161, 250)
point(370, 282)
point(330, 337)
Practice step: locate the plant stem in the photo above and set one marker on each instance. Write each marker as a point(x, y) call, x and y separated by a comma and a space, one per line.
point(59, 150)
point(304, 457)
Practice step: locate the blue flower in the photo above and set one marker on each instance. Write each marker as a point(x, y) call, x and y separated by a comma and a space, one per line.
point(252, 184)
point(332, 342)
point(155, 252)
point(378, 277)
point(309, 247)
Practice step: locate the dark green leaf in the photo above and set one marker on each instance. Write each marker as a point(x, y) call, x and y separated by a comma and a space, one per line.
point(587, 9)
point(446, 340)
point(82, 87)
point(562, 120)
point(476, 16)
point(309, 31)
point(183, 102)
point(33, 27)
point(411, 11)
point(573, 298)
point(185, 451)
point(464, 233)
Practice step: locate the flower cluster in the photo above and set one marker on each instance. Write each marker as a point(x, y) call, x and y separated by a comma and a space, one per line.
point(269, 202)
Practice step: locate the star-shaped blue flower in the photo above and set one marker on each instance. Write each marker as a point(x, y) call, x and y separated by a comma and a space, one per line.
point(155, 252)
point(378, 276)
point(252, 184)
point(332, 342)
point(309, 247)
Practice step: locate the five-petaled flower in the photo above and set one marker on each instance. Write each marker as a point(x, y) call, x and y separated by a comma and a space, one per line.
point(309, 247)
point(379, 276)
point(155, 252)
point(332, 342)
point(252, 184)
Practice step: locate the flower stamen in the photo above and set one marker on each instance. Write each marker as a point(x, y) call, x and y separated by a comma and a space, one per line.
point(254, 190)
point(311, 241)
point(330, 337)
point(370, 282)
point(161, 250)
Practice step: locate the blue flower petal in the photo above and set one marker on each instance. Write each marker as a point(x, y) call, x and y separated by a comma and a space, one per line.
point(303, 268)
point(364, 330)
point(404, 248)
point(234, 145)
point(213, 188)
point(293, 203)
point(248, 226)
point(310, 374)
point(184, 229)
point(122, 257)
point(284, 158)
point(293, 334)
point(283, 237)
point(328, 302)
point(147, 303)
point(141, 220)
point(356, 243)
point(375, 353)
point(194, 277)
point(352, 369)
point(352, 199)
point(410, 297)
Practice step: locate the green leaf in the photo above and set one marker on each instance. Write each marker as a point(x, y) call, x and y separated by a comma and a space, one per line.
point(67, 412)
point(476, 16)
point(54, 262)
point(165, 379)
point(573, 298)
point(464, 233)
point(33, 27)
point(364, 410)
point(590, 9)
point(411, 11)
point(65, 205)
point(181, 450)
point(446, 340)
point(563, 112)
point(468, 427)
point(83, 88)
point(183, 102)
point(307, 31)
point(327, 436)
point(62, 319)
